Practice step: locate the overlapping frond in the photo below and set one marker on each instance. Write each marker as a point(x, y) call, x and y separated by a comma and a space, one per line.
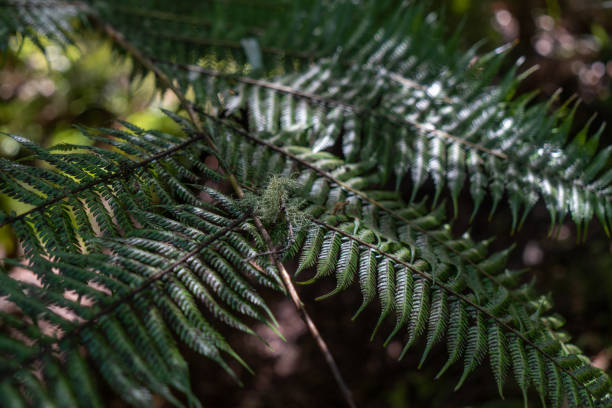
point(83, 191)
point(128, 333)
point(401, 254)
point(479, 139)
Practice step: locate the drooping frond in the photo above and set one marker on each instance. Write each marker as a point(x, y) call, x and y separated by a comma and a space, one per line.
point(127, 334)
point(427, 115)
point(83, 190)
point(399, 253)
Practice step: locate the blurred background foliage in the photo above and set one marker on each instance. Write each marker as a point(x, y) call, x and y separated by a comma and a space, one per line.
point(43, 94)
point(45, 90)
point(569, 40)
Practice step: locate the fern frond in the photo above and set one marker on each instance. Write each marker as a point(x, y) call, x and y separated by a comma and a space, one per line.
point(482, 156)
point(327, 181)
point(479, 339)
point(98, 189)
point(120, 331)
point(37, 19)
point(470, 136)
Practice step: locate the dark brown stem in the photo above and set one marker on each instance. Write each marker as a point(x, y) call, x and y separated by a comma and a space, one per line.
point(314, 331)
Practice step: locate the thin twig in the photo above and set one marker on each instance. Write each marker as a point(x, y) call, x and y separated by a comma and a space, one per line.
point(314, 331)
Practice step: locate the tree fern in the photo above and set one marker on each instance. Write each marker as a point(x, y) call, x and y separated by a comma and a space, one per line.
point(315, 116)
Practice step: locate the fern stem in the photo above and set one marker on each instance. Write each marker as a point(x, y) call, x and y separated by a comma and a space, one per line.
point(314, 331)
point(188, 106)
point(409, 83)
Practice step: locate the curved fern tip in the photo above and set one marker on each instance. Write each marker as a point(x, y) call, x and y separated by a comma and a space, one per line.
point(443, 370)
point(460, 383)
point(307, 282)
point(390, 336)
point(328, 295)
point(378, 324)
point(407, 346)
point(359, 311)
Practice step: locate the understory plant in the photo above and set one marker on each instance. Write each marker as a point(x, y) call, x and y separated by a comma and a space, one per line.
point(308, 131)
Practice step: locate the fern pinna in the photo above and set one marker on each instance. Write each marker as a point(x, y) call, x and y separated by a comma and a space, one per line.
point(139, 244)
